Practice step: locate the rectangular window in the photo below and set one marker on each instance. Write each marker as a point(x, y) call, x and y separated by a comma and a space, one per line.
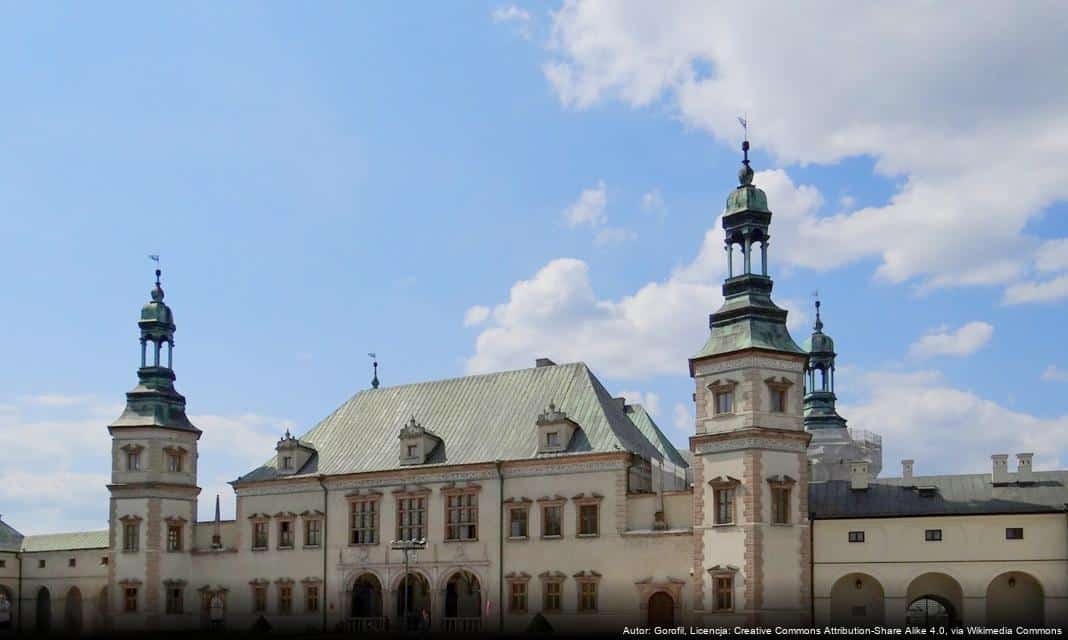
point(411, 450)
point(129, 599)
point(780, 505)
point(411, 518)
point(312, 531)
point(311, 598)
point(133, 460)
point(103, 560)
point(130, 535)
point(932, 535)
point(724, 499)
point(552, 439)
point(41, 564)
point(552, 521)
point(551, 596)
point(259, 535)
point(259, 598)
point(778, 400)
point(285, 599)
point(588, 520)
point(724, 402)
point(517, 522)
point(287, 462)
point(174, 600)
point(461, 516)
point(72, 562)
point(174, 462)
point(363, 522)
point(285, 534)
point(174, 537)
point(723, 593)
point(587, 596)
point(3, 563)
point(517, 601)
point(1014, 533)
point(856, 536)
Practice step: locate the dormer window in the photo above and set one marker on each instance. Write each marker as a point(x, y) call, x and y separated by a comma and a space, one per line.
point(292, 454)
point(555, 430)
point(416, 443)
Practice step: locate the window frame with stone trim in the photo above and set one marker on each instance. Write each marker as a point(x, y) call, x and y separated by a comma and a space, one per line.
point(724, 490)
point(556, 502)
point(518, 592)
point(722, 389)
point(856, 537)
point(284, 586)
point(723, 576)
point(364, 518)
point(587, 591)
point(310, 518)
point(514, 506)
point(555, 579)
point(260, 523)
point(129, 598)
point(131, 533)
point(174, 597)
point(175, 531)
point(404, 510)
point(583, 501)
point(312, 594)
point(133, 456)
point(175, 459)
point(259, 595)
point(780, 386)
point(461, 512)
point(781, 487)
point(286, 518)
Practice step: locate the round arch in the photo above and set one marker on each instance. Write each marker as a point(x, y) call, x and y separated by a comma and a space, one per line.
point(660, 609)
point(365, 596)
point(42, 620)
point(8, 608)
point(412, 600)
point(72, 611)
point(934, 598)
point(1015, 597)
point(857, 599)
point(463, 595)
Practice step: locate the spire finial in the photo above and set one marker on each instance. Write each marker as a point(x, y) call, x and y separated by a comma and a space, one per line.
point(374, 363)
point(217, 518)
point(745, 174)
point(819, 322)
point(157, 292)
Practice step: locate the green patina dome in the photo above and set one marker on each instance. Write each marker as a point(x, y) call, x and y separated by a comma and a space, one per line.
point(747, 197)
point(819, 343)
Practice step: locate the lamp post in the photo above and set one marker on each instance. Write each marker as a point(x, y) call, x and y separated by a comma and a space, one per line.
point(407, 546)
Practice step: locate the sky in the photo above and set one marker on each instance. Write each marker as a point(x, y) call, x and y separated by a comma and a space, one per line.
point(466, 187)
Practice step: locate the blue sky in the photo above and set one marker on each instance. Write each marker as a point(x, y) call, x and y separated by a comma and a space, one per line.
point(468, 186)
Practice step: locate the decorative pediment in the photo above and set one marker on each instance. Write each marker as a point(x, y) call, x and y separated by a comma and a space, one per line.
point(175, 520)
point(724, 482)
point(518, 501)
point(130, 519)
point(723, 569)
point(130, 582)
point(557, 499)
point(259, 582)
point(363, 494)
point(177, 583)
point(521, 576)
point(721, 384)
point(587, 498)
point(208, 589)
point(311, 580)
point(284, 581)
point(453, 489)
point(285, 515)
point(132, 448)
point(260, 516)
point(175, 450)
point(781, 381)
point(586, 576)
point(552, 575)
point(413, 491)
point(309, 514)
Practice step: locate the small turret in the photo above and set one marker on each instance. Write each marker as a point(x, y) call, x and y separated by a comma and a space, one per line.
point(820, 410)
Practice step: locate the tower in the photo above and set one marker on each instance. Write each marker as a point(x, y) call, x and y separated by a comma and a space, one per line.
point(751, 528)
point(833, 447)
point(153, 487)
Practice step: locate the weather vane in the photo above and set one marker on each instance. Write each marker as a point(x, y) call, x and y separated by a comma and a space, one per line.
point(742, 120)
point(154, 257)
point(374, 362)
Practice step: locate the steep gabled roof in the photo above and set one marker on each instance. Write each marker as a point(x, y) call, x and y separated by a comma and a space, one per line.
point(645, 423)
point(10, 538)
point(480, 418)
point(73, 541)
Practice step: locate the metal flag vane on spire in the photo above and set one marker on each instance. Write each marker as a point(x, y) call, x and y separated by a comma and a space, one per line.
point(819, 323)
point(154, 257)
point(374, 362)
point(742, 120)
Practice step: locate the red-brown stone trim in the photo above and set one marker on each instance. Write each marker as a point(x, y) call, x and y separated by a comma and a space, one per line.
point(753, 517)
point(698, 579)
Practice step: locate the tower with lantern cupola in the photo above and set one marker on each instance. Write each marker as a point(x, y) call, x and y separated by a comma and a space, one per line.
point(153, 487)
point(751, 527)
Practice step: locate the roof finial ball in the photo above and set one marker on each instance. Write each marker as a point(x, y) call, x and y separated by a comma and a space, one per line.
point(157, 292)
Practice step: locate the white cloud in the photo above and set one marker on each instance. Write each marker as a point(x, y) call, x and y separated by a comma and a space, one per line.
point(965, 341)
point(847, 201)
point(664, 321)
point(1053, 373)
point(919, 413)
point(1052, 255)
point(1046, 291)
point(650, 401)
point(613, 235)
point(58, 399)
point(589, 208)
point(511, 13)
point(653, 202)
point(683, 419)
point(958, 109)
point(476, 315)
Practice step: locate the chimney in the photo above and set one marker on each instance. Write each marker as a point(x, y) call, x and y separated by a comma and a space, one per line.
point(1000, 474)
point(906, 469)
point(858, 475)
point(621, 403)
point(1023, 472)
point(544, 362)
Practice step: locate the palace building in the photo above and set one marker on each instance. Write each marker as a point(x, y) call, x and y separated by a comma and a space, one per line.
point(535, 499)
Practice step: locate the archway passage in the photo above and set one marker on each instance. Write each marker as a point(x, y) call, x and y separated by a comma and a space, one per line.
point(72, 612)
point(1015, 598)
point(43, 611)
point(934, 599)
point(365, 605)
point(413, 602)
point(463, 603)
point(8, 608)
point(857, 599)
point(661, 610)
